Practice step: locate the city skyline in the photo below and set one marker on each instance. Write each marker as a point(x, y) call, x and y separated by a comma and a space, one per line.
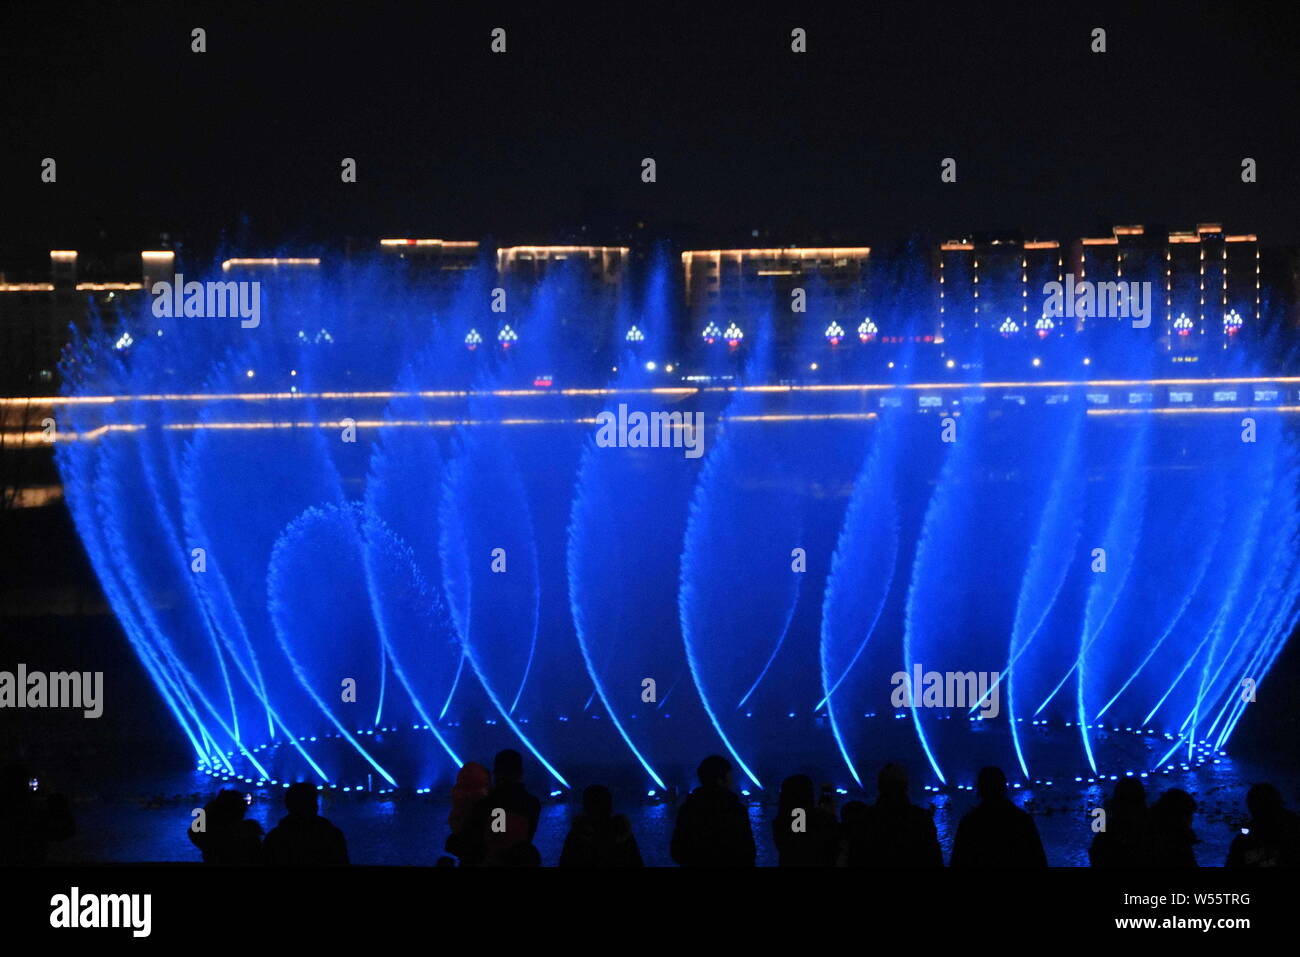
point(1046, 134)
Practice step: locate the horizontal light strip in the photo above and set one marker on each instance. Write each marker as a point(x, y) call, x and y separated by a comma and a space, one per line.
point(47, 401)
point(1198, 410)
point(31, 439)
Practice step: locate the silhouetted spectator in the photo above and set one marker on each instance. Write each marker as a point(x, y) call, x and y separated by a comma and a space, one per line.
point(521, 854)
point(303, 838)
point(1123, 842)
point(996, 833)
point(599, 837)
point(1271, 837)
point(29, 819)
point(806, 834)
point(1170, 835)
point(473, 782)
point(712, 828)
point(853, 818)
point(507, 816)
point(894, 832)
point(227, 838)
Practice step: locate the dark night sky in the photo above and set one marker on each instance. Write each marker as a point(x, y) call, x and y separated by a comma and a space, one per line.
point(841, 143)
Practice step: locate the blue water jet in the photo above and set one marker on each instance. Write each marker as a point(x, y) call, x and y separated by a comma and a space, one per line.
point(381, 485)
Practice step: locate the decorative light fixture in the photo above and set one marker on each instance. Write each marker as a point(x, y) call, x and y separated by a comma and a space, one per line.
point(473, 340)
point(635, 335)
point(1232, 323)
point(867, 330)
point(1044, 327)
point(1008, 327)
point(834, 333)
point(733, 335)
point(507, 336)
point(711, 333)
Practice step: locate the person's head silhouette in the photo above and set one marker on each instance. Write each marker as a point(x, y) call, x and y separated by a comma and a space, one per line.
point(714, 771)
point(853, 813)
point(892, 782)
point(1264, 801)
point(473, 778)
point(1129, 794)
point(1174, 808)
point(508, 767)
point(991, 784)
point(227, 807)
point(597, 802)
point(301, 799)
point(797, 791)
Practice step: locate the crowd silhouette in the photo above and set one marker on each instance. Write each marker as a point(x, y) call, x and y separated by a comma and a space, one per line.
point(302, 838)
point(494, 819)
point(498, 828)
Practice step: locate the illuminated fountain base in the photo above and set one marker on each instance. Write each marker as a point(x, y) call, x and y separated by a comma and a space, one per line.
point(1051, 749)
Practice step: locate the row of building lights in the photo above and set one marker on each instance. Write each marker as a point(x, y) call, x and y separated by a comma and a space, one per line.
point(867, 331)
point(507, 336)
